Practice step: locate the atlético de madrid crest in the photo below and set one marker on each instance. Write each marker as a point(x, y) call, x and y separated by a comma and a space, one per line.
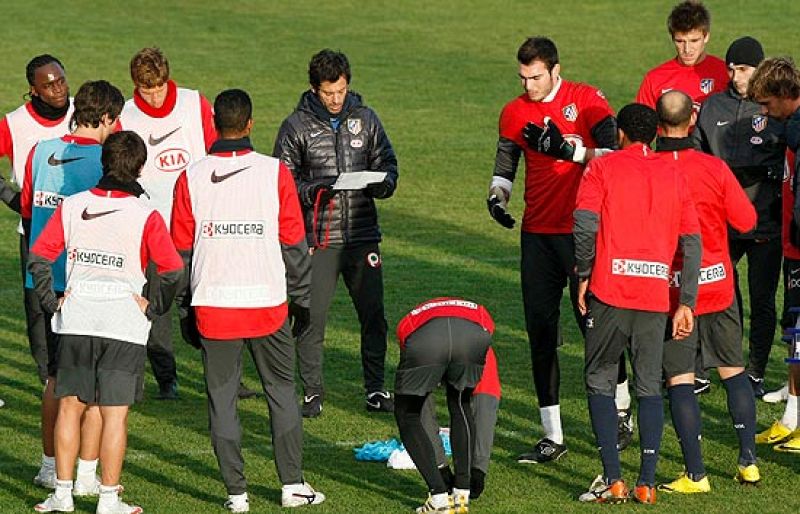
point(759, 122)
point(570, 112)
point(707, 85)
point(354, 126)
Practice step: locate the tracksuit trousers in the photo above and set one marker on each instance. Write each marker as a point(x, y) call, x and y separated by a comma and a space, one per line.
point(159, 343)
point(763, 277)
point(360, 267)
point(274, 357)
point(34, 316)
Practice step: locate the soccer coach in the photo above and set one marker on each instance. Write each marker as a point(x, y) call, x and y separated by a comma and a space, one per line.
point(632, 211)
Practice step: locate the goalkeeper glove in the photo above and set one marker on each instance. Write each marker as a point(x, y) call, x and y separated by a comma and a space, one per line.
point(497, 203)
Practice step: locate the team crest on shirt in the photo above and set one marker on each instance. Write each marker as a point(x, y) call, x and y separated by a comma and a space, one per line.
point(374, 260)
point(570, 112)
point(759, 122)
point(707, 85)
point(354, 126)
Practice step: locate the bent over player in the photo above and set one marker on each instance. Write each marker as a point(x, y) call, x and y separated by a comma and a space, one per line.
point(441, 340)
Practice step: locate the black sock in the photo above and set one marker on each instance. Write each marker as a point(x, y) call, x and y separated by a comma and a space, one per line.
point(603, 413)
point(651, 426)
point(742, 408)
point(685, 412)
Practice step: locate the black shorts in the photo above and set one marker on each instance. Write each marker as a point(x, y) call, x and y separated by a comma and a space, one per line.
point(99, 370)
point(719, 336)
point(609, 332)
point(443, 349)
point(791, 291)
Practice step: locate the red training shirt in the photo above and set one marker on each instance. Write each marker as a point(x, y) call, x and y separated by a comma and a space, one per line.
point(644, 206)
point(551, 184)
point(705, 78)
point(719, 200)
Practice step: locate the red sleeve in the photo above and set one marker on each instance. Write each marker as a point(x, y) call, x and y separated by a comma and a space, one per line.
point(490, 380)
point(590, 191)
point(50, 242)
point(645, 94)
point(26, 195)
point(596, 107)
point(689, 222)
point(510, 126)
point(291, 229)
point(740, 212)
point(6, 142)
point(182, 224)
point(157, 246)
point(207, 115)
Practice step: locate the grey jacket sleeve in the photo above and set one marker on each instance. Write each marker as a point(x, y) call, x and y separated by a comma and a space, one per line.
point(692, 248)
point(42, 273)
point(585, 234)
point(162, 296)
point(183, 294)
point(506, 160)
point(484, 410)
point(298, 272)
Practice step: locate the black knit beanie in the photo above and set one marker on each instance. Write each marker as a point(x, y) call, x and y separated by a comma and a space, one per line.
point(745, 50)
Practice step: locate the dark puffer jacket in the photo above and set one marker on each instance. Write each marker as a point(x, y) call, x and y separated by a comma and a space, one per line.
point(316, 153)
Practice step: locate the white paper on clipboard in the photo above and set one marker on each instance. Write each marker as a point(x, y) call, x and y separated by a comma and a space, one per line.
point(358, 180)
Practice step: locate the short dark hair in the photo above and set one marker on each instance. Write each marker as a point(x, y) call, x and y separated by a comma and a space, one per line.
point(674, 109)
point(94, 100)
point(232, 110)
point(639, 122)
point(36, 63)
point(328, 66)
point(777, 77)
point(538, 48)
point(688, 16)
point(123, 156)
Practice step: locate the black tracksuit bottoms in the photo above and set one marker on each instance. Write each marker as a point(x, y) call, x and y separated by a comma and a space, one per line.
point(360, 267)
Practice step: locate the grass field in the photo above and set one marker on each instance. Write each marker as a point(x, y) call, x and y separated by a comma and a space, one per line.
point(437, 73)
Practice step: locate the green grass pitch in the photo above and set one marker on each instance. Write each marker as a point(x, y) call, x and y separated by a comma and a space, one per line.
point(437, 73)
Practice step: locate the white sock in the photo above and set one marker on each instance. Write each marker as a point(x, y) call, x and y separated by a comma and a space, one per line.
point(623, 397)
point(292, 488)
point(238, 499)
point(440, 500)
point(109, 494)
point(464, 493)
point(63, 488)
point(87, 470)
point(48, 462)
point(551, 423)
point(789, 419)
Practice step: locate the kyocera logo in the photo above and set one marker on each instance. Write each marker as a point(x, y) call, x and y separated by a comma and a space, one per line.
point(46, 199)
point(95, 258)
point(172, 159)
point(232, 229)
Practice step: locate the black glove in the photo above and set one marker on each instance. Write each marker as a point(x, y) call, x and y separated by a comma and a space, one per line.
point(322, 190)
point(477, 481)
point(377, 189)
point(14, 203)
point(548, 140)
point(447, 477)
point(299, 318)
point(497, 203)
point(189, 330)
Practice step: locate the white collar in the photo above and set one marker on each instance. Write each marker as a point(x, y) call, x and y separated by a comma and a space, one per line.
point(552, 95)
